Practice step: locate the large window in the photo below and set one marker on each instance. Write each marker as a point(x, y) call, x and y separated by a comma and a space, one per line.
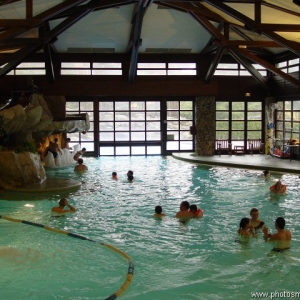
point(288, 120)
point(238, 121)
point(179, 120)
point(86, 140)
point(129, 127)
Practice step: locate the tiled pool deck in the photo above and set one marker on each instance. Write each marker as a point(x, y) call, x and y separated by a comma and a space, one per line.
point(255, 162)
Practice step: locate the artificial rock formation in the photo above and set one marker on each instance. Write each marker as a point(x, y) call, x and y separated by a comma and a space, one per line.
point(31, 124)
point(19, 170)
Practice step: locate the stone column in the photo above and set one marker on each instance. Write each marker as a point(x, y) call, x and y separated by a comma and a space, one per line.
point(270, 106)
point(205, 125)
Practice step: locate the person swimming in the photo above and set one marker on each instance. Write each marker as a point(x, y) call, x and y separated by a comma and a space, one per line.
point(278, 188)
point(130, 175)
point(245, 228)
point(158, 212)
point(196, 211)
point(257, 225)
point(267, 174)
point(282, 239)
point(184, 214)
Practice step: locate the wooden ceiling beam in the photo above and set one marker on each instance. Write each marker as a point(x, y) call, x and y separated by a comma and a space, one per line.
point(46, 15)
point(16, 58)
point(58, 9)
point(189, 7)
point(4, 2)
point(231, 12)
point(251, 25)
point(26, 41)
point(20, 22)
point(282, 9)
point(135, 37)
point(268, 66)
point(67, 23)
point(48, 63)
point(214, 63)
point(290, 45)
point(261, 51)
point(251, 44)
point(248, 66)
point(257, 11)
point(29, 9)
point(211, 46)
point(278, 27)
point(94, 5)
point(44, 32)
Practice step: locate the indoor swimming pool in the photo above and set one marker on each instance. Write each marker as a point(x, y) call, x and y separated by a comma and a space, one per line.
point(196, 260)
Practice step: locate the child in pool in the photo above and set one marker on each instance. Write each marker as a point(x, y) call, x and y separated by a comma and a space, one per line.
point(245, 228)
point(158, 212)
point(196, 211)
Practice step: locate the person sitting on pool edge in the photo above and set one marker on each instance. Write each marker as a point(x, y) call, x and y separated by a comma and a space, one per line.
point(197, 212)
point(282, 239)
point(257, 225)
point(80, 167)
point(184, 213)
point(62, 203)
point(245, 228)
point(278, 188)
point(158, 212)
point(114, 176)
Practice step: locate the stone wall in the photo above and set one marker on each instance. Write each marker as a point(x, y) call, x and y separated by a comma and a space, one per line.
point(205, 120)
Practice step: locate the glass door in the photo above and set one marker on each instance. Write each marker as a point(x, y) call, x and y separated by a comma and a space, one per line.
point(130, 128)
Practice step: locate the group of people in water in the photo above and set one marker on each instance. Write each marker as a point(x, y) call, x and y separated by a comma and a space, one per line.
point(186, 211)
point(55, 156)
point(251, 227)
point(63, 203)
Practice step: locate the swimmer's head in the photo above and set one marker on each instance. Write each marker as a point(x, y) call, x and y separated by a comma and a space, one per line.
point(80, 161)
point(254, 213)
point(184, 205)
point(62, 202)
point(193, 208)
point(158, 209)
point(244, 222)
point(266, 172)
point(278, 184)
point(280, 222)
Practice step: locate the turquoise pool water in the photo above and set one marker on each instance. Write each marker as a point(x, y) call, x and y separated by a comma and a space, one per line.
point(197, 260)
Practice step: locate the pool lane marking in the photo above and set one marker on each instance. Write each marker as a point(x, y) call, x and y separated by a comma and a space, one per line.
point(129, 276)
